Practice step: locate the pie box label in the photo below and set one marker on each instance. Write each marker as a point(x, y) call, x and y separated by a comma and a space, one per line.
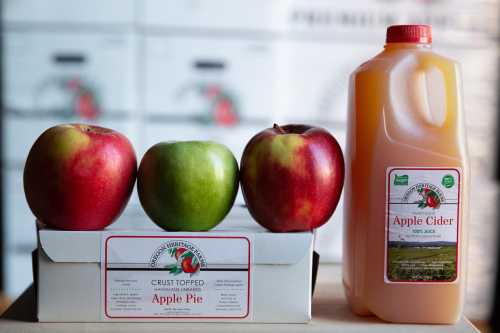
point(175, 277)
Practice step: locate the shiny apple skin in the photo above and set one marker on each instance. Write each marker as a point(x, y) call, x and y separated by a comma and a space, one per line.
point(79, 177)
point(187, 185)
point(292, 177)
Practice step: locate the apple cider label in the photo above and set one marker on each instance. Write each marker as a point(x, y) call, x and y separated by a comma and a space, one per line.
point(422, 226)
point(175, 277)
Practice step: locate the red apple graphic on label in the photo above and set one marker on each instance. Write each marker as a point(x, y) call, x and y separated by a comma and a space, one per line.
point(429, 199)
point(79, 177)
point(179, 252)
point(187, 265)
point(432, 201)
point(292, 177)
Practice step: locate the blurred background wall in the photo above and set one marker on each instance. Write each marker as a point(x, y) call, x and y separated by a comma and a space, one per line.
point(161, 70)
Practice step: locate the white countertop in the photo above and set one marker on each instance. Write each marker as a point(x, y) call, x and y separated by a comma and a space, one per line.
point(330, 314)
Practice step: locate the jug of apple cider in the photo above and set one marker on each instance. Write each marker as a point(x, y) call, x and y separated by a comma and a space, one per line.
point(406, 187)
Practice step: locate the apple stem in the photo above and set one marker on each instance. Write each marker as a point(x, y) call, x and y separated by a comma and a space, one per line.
point(277, 127)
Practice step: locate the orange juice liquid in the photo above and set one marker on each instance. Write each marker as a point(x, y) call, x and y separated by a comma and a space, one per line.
point(406, 187)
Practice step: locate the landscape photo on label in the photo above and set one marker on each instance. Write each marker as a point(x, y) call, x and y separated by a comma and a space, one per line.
point(433, 261)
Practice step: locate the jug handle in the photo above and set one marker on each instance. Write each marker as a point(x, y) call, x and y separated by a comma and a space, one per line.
point(435, 110)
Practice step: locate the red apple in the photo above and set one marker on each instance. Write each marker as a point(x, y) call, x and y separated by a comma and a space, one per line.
point(292, 177)
point(79, 177)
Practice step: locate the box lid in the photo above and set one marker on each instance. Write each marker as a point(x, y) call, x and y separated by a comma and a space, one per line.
point(268, 248)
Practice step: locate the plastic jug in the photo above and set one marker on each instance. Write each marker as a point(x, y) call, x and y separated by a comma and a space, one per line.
point(406, 187)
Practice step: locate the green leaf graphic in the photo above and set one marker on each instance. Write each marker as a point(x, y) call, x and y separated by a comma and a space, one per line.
point(171, 266)
point(187, 254)
point(175, 270)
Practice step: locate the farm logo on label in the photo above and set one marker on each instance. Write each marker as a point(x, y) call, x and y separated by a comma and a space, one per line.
point(178, 257)
point(448, 181)
point(401, 180)
point(424, 195)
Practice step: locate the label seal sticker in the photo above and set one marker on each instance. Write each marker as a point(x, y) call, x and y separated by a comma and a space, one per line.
point(148, 277)
point(422, 225)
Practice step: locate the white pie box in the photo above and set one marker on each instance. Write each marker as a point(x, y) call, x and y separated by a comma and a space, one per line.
point(69, 279)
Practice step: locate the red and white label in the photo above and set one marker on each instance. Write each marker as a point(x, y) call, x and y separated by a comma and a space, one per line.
point(423, 224)
point(175, 277)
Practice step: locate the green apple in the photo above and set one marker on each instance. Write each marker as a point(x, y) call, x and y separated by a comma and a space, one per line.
point(188, 185)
